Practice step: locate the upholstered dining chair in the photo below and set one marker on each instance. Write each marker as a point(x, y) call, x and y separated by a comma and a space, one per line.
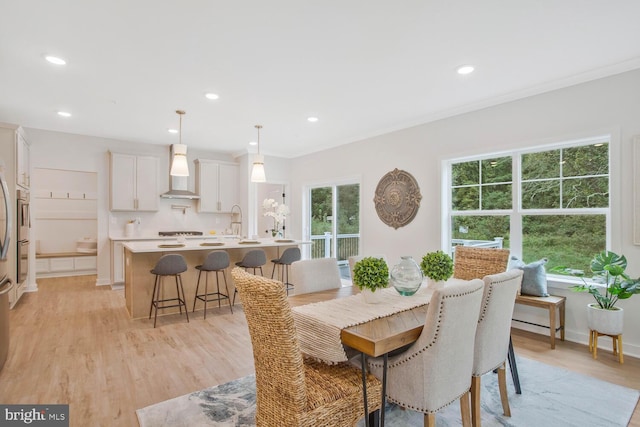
point(492, 336)
point(475, 263)
point(292, 390)
point(435, 370)
point(312, 275)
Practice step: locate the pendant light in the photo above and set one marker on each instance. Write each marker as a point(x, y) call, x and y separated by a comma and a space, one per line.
point(179, 165)
point(257, 173)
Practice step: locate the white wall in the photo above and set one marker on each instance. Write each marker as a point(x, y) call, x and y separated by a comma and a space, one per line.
point(609, 105)
point(86, 153)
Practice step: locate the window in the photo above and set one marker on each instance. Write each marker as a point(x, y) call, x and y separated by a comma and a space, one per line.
point(544, 203)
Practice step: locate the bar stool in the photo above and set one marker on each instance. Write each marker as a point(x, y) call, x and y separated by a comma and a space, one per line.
point(216, 261)
point(253, 259)
point(289, 256)
point(168, 265)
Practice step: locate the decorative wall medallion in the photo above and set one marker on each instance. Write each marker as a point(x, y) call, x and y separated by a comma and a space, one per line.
point(397, 198)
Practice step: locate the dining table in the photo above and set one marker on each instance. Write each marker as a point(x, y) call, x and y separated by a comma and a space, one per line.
point(331, 322)
point(333, 325)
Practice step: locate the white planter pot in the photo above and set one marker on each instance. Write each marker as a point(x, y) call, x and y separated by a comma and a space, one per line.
point(372, 297)
point(608, 322)
point(435, 284)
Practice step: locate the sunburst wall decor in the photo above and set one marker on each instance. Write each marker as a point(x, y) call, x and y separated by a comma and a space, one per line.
point(397, 198)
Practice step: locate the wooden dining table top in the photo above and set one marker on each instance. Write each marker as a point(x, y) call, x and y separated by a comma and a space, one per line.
point(375, 337)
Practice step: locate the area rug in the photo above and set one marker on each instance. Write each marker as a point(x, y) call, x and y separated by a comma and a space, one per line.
point(550, 396)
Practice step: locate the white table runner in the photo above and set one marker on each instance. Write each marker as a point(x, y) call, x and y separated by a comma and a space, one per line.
point(319, 324)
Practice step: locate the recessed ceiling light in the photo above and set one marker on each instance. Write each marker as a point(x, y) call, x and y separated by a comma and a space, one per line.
point(253, 143)
point(211, 95)
point(64, 114)
point(465, 69)
point(312, 119)
point(173, 130)
point(55, 60)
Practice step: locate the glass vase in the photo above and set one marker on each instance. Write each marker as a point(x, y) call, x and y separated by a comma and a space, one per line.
point(406, 276)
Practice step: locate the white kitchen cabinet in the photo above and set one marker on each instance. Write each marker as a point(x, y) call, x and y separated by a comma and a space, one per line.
point(217, 185)
point(23, 161)
point(134, 183)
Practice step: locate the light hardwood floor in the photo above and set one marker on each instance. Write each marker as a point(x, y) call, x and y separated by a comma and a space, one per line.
point(73, 342)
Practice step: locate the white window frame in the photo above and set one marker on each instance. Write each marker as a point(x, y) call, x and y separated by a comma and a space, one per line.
point(516, 213)
point(306, 209)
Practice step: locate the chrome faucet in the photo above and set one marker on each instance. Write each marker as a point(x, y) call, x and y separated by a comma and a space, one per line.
point(236, 220)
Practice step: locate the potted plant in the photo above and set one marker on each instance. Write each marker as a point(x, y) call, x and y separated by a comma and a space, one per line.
point(371, 274)
point(611, 284)
point(438, 267)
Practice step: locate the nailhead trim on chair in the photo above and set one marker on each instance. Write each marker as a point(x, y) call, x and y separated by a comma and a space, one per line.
point(418, 352)
point(435, 335)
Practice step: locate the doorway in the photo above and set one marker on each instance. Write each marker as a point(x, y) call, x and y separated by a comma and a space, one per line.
point(265, 191)
point(334, 210)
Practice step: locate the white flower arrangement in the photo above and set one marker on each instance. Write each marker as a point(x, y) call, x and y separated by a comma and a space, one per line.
point(277, 211)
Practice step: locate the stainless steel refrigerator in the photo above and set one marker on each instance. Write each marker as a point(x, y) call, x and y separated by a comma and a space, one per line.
point(5, 282)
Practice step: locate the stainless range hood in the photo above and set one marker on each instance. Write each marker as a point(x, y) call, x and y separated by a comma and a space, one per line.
point(178, 185)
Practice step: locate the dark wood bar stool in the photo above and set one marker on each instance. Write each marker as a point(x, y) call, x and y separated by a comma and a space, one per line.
point(289, 256)
point(215, 262)
point(168, 265)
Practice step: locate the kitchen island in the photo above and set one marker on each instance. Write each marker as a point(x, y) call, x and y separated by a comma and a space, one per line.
point(141, 257)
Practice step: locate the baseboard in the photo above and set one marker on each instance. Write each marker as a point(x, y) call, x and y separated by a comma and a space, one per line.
point(628, 349)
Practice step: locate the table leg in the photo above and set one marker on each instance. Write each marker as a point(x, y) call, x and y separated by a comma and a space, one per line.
point(385, 359)
point(562, 311)
point(552, 325)
point(513, 367)
point(363, 359)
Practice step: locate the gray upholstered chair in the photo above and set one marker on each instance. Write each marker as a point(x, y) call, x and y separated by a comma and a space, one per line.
point(168, 265)
point(215, 262)
point(436, 370)
point(288, 257)
point(311, 275)
point(292, 390)
point(492, 336)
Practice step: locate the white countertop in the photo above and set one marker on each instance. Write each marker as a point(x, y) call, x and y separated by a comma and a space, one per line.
point(194, 244)
point(137, 237)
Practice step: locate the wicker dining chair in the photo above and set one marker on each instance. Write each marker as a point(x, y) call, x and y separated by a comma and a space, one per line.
point(292, 390)
point(475, 263)
point(492, 336)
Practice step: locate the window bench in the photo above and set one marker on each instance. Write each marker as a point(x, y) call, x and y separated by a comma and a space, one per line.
point(61, 264)
point(551, 303)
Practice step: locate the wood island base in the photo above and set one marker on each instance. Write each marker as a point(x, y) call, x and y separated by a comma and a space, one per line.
point(138, 280)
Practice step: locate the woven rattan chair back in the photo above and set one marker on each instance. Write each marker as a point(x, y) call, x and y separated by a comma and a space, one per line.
point(292, 391)
point(277, 357)
point(475, 263)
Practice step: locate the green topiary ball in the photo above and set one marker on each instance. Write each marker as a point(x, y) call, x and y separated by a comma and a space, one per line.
point(371, 273)
point(437, 265)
